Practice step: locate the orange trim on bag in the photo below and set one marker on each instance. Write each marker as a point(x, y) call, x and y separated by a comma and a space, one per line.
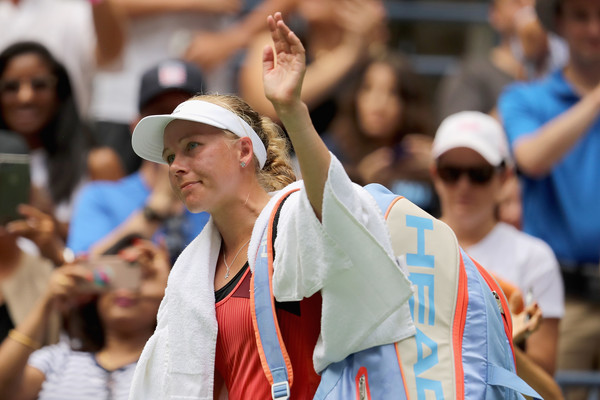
point(458, 327)
point(387, 212)
point(402, 371)
point(286, 357)
point(489, 279)
point(261, 352)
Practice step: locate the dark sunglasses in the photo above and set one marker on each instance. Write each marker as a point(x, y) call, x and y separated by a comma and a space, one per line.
point(38, 84)
point(477, 175)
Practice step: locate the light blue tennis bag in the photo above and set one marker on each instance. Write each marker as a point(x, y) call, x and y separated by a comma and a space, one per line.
point(462, 349)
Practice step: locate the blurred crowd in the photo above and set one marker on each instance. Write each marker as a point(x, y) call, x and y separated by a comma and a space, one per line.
point(508, 155)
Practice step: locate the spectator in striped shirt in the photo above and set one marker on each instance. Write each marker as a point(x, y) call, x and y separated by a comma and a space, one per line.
point(107, 330)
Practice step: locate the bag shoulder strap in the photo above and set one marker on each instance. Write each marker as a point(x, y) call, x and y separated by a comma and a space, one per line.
point(271, 349)
point(383, 196)
point(499, 376)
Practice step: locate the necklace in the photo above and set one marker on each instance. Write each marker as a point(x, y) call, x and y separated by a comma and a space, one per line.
point(232, 261)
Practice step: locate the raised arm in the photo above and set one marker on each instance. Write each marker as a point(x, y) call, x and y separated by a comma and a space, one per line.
point(109, 25)
point(363, 22)
point(283, 72)
point(17, 379)
point(210, 49)
point(537, 153)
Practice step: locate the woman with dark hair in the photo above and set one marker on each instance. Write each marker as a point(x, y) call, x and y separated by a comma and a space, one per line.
point(37, 108)
point(383, 131)
point(37, 103)
point(108, 330)
point(338, 36)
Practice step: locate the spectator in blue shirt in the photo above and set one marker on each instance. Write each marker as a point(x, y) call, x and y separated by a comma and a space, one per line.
point(554, 132)
point(142, 203)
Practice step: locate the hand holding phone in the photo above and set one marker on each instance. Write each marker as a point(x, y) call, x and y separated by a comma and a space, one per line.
point(14, 185)
point(110, 272)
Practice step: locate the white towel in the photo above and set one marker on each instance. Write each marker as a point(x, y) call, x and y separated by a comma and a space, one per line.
point(347, 257)
point(178, 360)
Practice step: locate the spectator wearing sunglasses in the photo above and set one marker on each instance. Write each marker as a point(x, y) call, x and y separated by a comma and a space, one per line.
point(471, 165)
point(553, 126)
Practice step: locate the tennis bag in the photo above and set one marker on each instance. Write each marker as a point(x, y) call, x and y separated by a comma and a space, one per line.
point(463, 345)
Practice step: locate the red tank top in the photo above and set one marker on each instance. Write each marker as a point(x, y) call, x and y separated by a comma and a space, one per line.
point(237, 359)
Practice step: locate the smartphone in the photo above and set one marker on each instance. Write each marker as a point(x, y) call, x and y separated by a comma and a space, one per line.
point(14, 185)
point(110, 272)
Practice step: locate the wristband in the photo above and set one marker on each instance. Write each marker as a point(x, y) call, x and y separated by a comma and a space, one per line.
point(24, 339)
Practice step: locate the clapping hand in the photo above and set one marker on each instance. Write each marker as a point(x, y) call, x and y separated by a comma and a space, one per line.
point(363, 22)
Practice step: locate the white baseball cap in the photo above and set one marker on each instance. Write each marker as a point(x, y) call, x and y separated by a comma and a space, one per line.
point(147, 139)
point(474, 130)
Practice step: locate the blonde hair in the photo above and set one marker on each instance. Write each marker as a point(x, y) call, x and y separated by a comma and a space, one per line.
point(277, 172)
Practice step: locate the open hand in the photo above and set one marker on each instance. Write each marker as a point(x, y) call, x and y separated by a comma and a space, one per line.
point(36, 225)
point(154, 262)
point(210, 50)
point(363, 21)
point(283, 67)
point(65, 287)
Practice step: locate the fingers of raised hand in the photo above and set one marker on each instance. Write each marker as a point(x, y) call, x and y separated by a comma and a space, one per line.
point(283, 72)
point(284, 39)
point(278, 33)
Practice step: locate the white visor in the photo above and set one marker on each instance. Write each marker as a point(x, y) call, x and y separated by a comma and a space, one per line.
point(147, 139)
